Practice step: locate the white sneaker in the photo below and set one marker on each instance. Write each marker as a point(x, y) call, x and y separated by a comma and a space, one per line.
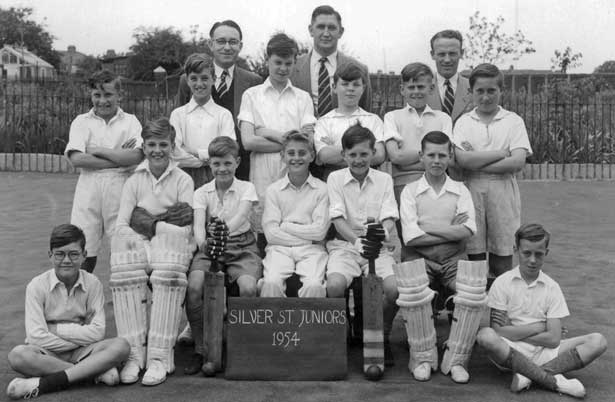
point(130, 372)
point(23, 388)
point(422, 372)
point(519, 383)
point(155, 374)
point(459, 374)
point(185, 337)
point(110, 377)
point(572, 387)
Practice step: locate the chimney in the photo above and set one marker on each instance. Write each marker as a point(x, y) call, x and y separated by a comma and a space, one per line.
point(72, 49)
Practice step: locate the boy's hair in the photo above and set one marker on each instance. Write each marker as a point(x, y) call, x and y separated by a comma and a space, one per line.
point(349, 71)
point(357, 134)
point(227, 23)
point(298, 136)
point(100, 77)
point(326, 10)
point(198, 62)
point(436, 137)
point(486, 70)
point(223, 146)
point(64, 234)
point(282, 45)
point(448, 34)
point(159, 128)
point(414, 71)
point(533, 232)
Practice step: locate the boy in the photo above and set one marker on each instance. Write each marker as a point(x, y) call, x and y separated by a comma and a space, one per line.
point(437, 217)
point(199, 121)
point(295, 221)
point(348, 85)
point(105, 144)
point(267, 112)
point(152, 243)
point(357, 193)
point(404, 128)
point(65, 325)
point(491, 146)
point(230, 201)
point(526, 332)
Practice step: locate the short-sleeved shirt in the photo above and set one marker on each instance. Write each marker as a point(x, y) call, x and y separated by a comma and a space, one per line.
point(355, 203)
point(155, 195)
point(90, 130)
point(505, 132)
point(420, 204)
point(332, 126)
point(527, 303)
point(206, 197)
point(78, 314)
point(196, 126)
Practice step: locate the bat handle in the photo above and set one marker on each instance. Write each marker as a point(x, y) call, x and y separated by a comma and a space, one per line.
point(371, 262)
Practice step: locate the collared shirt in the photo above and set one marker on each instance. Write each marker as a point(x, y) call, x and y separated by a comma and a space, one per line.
point(196, 126)
point(90, 130)
point(206, 197)
point(264, 106)
point(419, 204)
point(78, 314)
point(505, 132)
point(355, 203)
point(143, 190)
point(330, 64)
point(440, 80)
point(330, 127)
point(527, 303)
point(229, 78)
point(296, 216)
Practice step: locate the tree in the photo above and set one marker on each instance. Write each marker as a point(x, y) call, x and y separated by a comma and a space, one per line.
point(606, 67)
point(87, 66)
point(562, 61)
point(486, 43)
point(156, 47)
point(16, 28)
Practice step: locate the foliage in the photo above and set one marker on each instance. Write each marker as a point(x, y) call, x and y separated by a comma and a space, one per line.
point(15, 22)
point(563, 60)
point(487, 43)
point(606, 67)
point(155, 47)
point(258, 64)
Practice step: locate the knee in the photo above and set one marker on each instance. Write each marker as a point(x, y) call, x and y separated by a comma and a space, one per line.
point(487, 338)
point(18, 356)
point(390, 293)
point(247, 286)
point(194, 292)
point(120, 349)
point(598, 342)
point(336, 286)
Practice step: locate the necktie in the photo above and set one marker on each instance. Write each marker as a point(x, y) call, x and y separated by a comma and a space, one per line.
point(449, 98)
point(324, 89)
point(222, 88)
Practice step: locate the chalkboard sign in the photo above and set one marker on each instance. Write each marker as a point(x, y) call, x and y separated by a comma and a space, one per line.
point(286, 339)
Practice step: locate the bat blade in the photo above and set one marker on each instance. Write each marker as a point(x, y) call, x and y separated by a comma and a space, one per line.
point(373, 337)
point(213, 318)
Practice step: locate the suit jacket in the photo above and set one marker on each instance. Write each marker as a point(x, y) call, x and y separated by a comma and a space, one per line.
point(301, 78)
point(463, 99)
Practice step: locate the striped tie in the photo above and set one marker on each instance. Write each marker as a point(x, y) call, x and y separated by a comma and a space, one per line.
point(324, 89)
point(222, 88)
point(449, 98)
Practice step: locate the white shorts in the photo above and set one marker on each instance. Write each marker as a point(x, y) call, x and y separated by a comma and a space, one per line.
point(539, 355)
point(95, 206)
point(344, 259)
point(309, 262)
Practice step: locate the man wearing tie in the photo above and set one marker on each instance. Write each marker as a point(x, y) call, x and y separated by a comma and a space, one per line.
point(452, 90)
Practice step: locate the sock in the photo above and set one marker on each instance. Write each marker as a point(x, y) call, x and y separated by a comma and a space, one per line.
point(522, 365)
point(567, 361)
point(53, 382)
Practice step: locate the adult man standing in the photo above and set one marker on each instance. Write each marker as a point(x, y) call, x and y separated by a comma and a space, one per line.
point(231, 80)
point(314, 71)
point(452, 90)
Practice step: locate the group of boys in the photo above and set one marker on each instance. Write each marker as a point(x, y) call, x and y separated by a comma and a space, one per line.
point(262, 231)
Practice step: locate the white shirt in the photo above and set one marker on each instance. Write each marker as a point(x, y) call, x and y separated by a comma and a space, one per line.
point(196, 126)
point(229, 78)
point(330, 64)
point(330, 127)
point(442, 87)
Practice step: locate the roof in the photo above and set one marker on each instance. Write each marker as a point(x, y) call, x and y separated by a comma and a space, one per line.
point(29, 58)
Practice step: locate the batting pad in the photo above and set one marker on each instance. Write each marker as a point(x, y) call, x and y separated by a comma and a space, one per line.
point(129, 291)
point(411, 274)
point(128, 252)
point(418, 319)
point(168, 294)
point(171, 252)
point(472, 273)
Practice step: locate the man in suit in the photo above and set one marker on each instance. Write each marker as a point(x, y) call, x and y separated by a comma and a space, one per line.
point(452, 94)
point(314, 71)
point(231, 80)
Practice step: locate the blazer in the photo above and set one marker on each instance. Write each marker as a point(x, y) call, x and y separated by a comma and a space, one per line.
point(301, 78)
point(463, 99)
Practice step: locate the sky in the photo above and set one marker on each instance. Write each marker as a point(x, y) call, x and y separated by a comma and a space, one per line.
point(384, 34)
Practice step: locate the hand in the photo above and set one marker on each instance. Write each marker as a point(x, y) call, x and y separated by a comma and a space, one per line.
point(500, 318)
point(460, 218)
point(328, 140)
point(308, 129)
point(191, 151)
point(130, 143)
point(467, 146)
point(180, 214)
point(53, 328)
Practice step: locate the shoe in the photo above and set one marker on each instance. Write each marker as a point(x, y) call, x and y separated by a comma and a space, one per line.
point(422, 372)
point(155, 374)
point(23, 388)
point(194, 365)
point(572, 387)
point(519, 383)
point(389, 361)
point(110, 377)
point(185, 337)
point(130, 372)
point(459, 374)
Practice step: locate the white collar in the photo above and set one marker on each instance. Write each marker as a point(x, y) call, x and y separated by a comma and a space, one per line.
point(144, 166)
point(315, 58)
point(440, 79)
point(218, 71)
point(449, 185)
point(192, 106)
point(427, 110)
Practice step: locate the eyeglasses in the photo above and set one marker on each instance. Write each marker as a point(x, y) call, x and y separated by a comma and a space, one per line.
point(231, 42)
point(72, 255)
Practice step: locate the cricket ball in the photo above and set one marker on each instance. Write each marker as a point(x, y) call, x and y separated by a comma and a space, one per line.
point(209, 369)
point(373, 373)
